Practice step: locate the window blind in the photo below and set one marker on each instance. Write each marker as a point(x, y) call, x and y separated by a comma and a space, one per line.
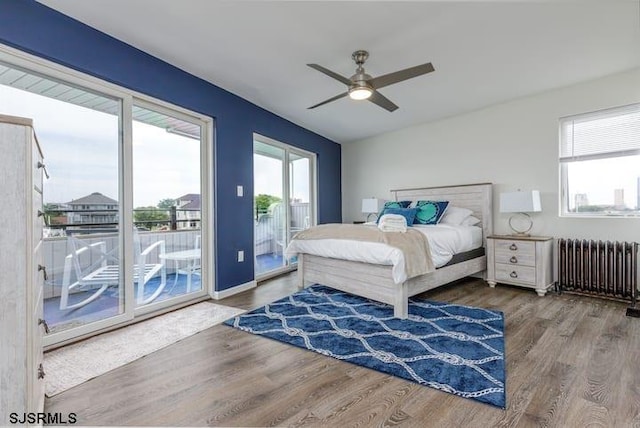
point(606, 133)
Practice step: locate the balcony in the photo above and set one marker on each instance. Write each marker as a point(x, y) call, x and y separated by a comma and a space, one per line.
point(181, 232)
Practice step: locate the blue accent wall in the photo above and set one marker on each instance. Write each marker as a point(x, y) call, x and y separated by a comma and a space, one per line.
point(39, 30)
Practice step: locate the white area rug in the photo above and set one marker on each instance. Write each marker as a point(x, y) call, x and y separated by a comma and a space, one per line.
point(74, 364)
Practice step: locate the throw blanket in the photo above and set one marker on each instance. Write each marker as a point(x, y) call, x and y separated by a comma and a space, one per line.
point(392, 223)
point(413, 244)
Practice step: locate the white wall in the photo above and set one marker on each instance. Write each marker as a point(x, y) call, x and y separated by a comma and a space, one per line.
point(512, 145)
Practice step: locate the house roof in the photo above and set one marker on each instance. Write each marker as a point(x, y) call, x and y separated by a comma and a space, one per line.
point(193, 201)
point(96, 198)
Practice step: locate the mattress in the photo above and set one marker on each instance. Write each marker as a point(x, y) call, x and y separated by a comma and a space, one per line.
point(444, 241)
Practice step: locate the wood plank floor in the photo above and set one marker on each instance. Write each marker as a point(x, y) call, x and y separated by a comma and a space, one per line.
point(571, 362)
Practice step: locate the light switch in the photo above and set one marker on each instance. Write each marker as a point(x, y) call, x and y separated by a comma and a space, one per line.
point(240, 191)
point(240, 256)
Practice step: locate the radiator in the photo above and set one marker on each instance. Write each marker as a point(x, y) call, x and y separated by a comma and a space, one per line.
point(598, 268)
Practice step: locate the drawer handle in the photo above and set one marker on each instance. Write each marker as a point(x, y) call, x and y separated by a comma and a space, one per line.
point(513, 274)
point(44, 169)
point(44, 323)
point(41, 373)
point(44, 271)
point(513, 259)
point(513, 247)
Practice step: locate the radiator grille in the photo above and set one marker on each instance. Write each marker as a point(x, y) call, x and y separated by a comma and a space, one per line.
point(599, 268)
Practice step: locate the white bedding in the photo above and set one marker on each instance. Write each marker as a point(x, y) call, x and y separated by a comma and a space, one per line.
point(445, 240)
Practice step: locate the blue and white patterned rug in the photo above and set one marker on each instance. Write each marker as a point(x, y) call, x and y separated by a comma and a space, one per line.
point(453, 348)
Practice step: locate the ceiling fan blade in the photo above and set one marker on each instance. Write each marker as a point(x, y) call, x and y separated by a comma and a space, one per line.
point(382, 101)
point(399, 76)
point(344, 94)
point(330, 73)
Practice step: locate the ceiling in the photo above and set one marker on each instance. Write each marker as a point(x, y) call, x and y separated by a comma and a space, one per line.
point(483, 52)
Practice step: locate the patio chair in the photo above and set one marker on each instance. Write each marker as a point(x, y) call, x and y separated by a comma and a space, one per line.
point(103, 270)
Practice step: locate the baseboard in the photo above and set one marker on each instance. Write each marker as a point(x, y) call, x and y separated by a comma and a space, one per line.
point(217, 295)
point(633, 312)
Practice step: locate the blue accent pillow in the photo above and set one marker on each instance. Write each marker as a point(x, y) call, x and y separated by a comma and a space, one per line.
point(430, 212)
point(394, 204)
point(408, 213)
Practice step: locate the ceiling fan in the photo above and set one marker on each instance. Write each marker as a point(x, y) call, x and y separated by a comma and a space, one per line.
point(364, 87)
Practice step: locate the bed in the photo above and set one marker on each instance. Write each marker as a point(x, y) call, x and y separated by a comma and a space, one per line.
point(376, 281)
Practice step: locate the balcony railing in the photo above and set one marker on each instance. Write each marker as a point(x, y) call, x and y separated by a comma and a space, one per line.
point(269, 226)
point(174, 226)
point(74, 221)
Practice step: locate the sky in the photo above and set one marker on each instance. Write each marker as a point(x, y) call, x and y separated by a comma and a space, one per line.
point(598, 178)
point(268, 177)
point(80, 148)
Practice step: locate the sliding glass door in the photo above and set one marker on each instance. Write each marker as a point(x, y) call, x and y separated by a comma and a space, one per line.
point(284, 201)
point(79, 132)
point(127, 198)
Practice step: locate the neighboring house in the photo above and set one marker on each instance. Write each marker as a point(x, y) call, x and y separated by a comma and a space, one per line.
point(93, 209)
point(188, 211)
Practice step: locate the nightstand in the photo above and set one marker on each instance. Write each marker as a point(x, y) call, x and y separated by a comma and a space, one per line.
point(525, 261)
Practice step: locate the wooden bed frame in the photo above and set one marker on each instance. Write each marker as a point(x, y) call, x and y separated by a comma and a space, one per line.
point(376, 282)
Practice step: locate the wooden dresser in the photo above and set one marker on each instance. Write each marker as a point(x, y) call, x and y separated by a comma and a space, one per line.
point(520, 260)
point(22, 274)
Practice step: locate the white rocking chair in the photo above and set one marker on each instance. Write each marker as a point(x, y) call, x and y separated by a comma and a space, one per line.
point(106, 272)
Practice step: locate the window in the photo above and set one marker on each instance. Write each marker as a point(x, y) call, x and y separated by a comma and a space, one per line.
point(600, 163)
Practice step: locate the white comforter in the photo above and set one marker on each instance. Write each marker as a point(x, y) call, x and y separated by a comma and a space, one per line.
point(445, 241)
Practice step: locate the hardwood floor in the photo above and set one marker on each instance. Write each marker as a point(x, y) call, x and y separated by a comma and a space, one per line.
point(571, 362)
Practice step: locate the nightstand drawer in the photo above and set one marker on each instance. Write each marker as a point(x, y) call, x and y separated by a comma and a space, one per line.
point(516, 258)
point(511, 273)
point(504, 246)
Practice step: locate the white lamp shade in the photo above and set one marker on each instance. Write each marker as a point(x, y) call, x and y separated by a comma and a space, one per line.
point(371, 205)
point(520, 202)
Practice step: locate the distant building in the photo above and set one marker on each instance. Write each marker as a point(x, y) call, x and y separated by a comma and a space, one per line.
point(95, 208)
point(188, 211)
point(581, 200)
point(618, 198)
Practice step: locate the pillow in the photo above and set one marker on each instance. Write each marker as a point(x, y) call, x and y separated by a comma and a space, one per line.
point(455, 215)
point(394, 204)
point(408, 213)
point(430, 212)
point(471, 221)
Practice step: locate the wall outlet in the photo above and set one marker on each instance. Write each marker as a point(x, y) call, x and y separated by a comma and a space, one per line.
point(240, 191)
point(240, 256)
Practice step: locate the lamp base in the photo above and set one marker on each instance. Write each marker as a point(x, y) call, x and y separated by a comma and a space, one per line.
point(521, 224)
point(370, 214)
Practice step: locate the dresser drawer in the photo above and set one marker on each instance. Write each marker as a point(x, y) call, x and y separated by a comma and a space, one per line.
point(504, 246)
point(36, 171)
point(516, 258)
point(38, 221)
point(37, 283)
point(516, 274)
point(36, 392)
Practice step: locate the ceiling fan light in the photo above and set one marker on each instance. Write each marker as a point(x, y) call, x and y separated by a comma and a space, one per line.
point(360, 93)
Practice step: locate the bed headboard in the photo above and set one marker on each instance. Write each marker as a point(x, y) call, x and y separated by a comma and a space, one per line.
point(476, 197)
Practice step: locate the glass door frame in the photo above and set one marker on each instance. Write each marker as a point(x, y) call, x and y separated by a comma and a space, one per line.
point(286, 181)
point(126, 99)
point(206, 191)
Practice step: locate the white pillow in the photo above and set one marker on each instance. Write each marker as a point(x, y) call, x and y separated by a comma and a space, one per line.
point(455, 215)
point(471, 221)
